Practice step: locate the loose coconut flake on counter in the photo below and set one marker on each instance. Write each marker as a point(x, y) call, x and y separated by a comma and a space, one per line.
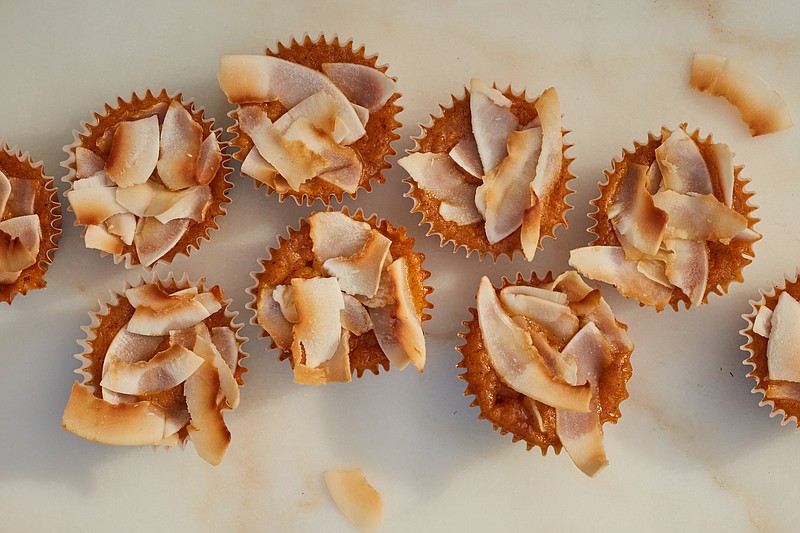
point(326, 113)
point(358, 501)
point(760, 106)
point(153, 183)
point(518, 164)
point(165, 345)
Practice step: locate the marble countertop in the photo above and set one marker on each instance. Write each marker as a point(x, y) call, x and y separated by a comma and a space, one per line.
point(693, 450)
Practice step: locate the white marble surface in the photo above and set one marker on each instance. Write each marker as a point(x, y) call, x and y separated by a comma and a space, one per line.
point(693, 451)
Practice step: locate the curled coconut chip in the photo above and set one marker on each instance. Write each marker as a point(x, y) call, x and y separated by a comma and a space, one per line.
point(149, 185)
point(661, 224)
point(161, 397)
point(358, 501)
point(355, 295)
point(324, 109)
point(520, 167)
point(560, 380)
point(761, 107)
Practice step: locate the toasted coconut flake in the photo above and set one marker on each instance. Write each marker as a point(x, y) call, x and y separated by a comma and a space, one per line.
point(762, 324)
point(358, 501)
point(317, 333)
point(355, 317)
point(251, 79)
point(492, 122)
point(535, 292)
point(334, 234)
point(508, 193)
point(293, 159)
point(531, 227)
point(123, 424)
point(461, 215)
point(761, 108)
point(559, 365)
point(227, 382)
point(97, 238)
point(94, 205)
point(602, 316)
point(360, 274)
point(783, 390)
point(5, 192)
point(407, 327)
point(682, 165)
point(344, 165)
point(699, 217)
point(207, 428)
point(165, 370)
point(6, 278)
point(783, 348)
point(635, 216)
point(19, 243)
point(284, 295)
point(654, 178)
point(335, 369)
point(123, 225)
point(608, 264)
point(14, 255)
point(517, 361)
point(722, 159)
point(192, 204)
point(383, 326)
point(148, 321)
point(87, 163)
point(224, 340)
point(154, 239)
point(153, 296)
point(581, 433)
point(363, 114)
point(548, 168)
point(319, 109)
point(134, 152)
point(259, 169)
point(553, 317)
point(128, 347)
point(687, 268)
point(364, 86)
point(209, 161)
point(438, 175)
point(138, 199)
point(572, 285)
point(158, 110)
point(465, 154)
point(654, 269)
point(181, 139)
point(22, 198)
point(271, 318)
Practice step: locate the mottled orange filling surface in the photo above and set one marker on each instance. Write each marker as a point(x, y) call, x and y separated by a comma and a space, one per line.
point(508, 410)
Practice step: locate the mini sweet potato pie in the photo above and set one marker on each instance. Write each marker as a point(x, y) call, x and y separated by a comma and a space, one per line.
point(160, 364)
point(314, 120)
point(773, 342)
point(548, 362)
point(673, 222)
point(490, 173)
point(30, 224)
point(147, 179)
point(343, 293)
